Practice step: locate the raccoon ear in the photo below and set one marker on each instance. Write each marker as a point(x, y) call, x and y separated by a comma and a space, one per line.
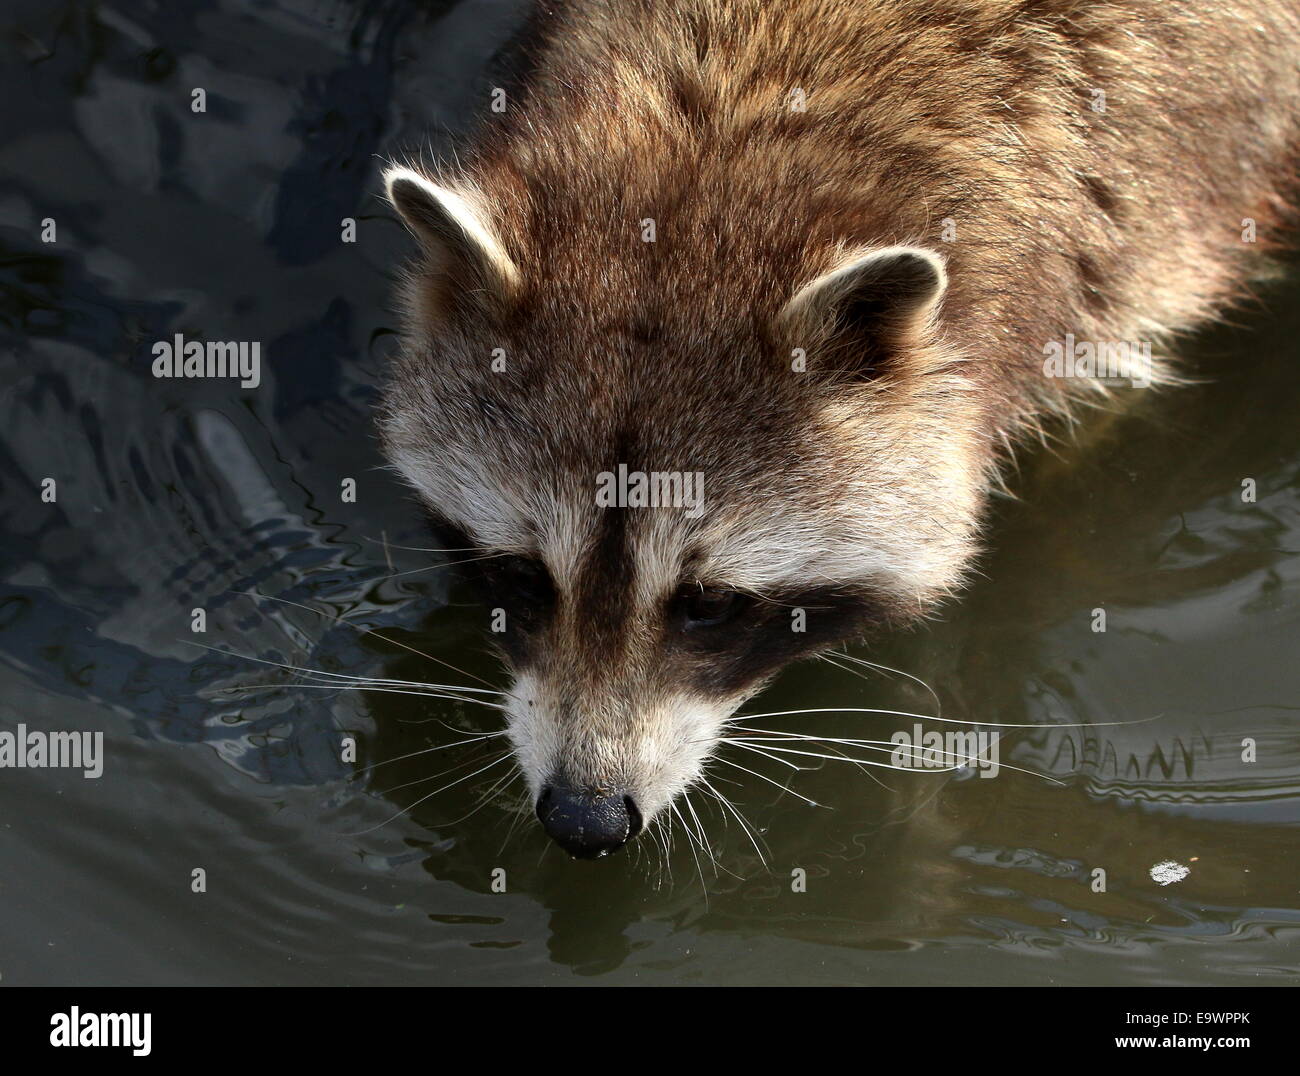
point(889, 292)
point(453, 233)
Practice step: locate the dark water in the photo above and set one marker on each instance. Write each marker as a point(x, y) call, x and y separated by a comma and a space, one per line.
point(182, 495)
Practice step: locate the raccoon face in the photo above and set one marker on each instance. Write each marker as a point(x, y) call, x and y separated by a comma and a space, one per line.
point(661, 517)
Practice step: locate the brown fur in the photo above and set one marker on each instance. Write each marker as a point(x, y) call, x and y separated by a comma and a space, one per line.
point(675, 355)
point(1107, 225)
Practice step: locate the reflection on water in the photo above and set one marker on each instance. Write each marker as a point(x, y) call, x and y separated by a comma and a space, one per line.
point(1170, 736)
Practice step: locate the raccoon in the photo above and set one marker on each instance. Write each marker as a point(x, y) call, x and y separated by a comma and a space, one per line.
point(813, 256)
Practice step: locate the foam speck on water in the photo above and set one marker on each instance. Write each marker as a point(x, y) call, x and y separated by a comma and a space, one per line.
point(1168, 872)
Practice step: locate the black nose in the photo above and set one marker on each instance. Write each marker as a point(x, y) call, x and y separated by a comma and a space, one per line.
point(588, 824)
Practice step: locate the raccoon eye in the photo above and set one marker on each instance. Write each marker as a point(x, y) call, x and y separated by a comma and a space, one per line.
point(706, 606)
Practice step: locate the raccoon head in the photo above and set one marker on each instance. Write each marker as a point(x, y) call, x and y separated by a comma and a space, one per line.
point(674, 491)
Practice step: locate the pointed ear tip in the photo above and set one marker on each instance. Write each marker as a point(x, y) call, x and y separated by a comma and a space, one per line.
point(934, 262)
point(402, 183)
point(397, 176)
point(929, 255)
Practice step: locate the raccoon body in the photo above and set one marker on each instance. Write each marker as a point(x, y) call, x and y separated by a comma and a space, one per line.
point(819, 263)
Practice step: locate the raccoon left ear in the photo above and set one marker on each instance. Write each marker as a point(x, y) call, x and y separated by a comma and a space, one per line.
point(450, 228)
point(890, 290)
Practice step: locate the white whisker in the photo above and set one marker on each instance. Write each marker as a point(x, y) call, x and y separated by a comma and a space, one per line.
point(487, 797)
point(427, 751)
point(364, 631)
point(950, 720)
point(744, 825)
point(420, 549)
point(430, 796)
point(898, 672)
point(446, 564)
point(705, 846)
point(433, 776)
point(774, 784)
point(690, 843)
point(889, 747)
point(841, 758)
point(362, 687)
point(325, 674)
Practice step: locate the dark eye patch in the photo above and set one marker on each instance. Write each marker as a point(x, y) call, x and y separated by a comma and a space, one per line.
point(447, 537)
point(521, 586)
point(517, 580)
point(758, 641)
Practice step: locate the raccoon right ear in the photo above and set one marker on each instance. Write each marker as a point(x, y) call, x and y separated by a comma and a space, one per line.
point(452, 231)
point(889, 292)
